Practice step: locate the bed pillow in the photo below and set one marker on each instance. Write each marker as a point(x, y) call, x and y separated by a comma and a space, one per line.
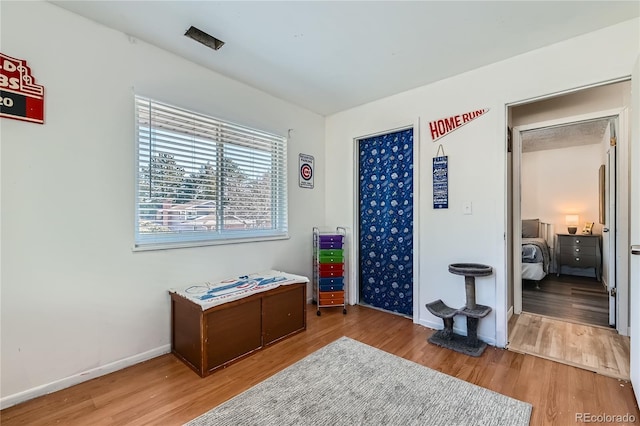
point(530, 228)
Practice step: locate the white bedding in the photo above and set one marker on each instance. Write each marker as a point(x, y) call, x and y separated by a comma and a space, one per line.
point(210, 294)
point(533, 271)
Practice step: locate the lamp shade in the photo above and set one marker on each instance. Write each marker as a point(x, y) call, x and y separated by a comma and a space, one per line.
point(572, 219)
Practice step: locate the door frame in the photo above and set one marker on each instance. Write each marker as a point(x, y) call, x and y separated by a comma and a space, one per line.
point(354, 280)
point(611, 204)
point(622, 203)
point(634, 231)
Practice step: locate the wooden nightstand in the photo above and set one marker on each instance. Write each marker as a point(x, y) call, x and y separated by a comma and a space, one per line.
point(579, 251)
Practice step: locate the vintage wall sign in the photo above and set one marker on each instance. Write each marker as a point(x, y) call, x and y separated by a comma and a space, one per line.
point(441, 182)
point(306, 171)
point(444, 126)
point(20, 97)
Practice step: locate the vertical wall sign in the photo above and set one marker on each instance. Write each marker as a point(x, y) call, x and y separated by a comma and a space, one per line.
point(440, 180)
point(444, 126)
point(20, 97)
point(306, 171)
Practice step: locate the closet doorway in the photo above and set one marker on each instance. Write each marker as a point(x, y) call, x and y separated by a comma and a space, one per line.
point(385, 221)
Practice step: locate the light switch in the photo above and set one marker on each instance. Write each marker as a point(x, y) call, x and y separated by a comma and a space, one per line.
point(466, 207)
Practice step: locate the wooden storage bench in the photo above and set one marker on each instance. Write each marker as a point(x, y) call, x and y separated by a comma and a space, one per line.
point(212, 338)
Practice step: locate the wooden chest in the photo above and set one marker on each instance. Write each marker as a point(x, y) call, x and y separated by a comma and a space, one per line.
point(212, 339)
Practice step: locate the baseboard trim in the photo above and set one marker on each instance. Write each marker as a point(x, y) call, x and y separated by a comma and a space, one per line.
point(509, 313)
point(17, 398)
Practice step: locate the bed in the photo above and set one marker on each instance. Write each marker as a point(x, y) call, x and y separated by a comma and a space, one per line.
point(537, 240)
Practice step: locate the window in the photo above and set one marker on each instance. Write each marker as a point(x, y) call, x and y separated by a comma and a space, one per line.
point(202, 180)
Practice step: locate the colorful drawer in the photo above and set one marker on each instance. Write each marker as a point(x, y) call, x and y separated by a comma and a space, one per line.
point(329, 269)
point(331, 297)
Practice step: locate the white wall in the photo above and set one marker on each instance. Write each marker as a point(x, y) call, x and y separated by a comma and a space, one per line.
point(76, 301)
point(595, 99)
point(558, 182)
point(477, 159)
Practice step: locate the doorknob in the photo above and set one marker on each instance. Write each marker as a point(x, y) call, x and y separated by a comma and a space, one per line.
point(635, 249)
point(605, 229)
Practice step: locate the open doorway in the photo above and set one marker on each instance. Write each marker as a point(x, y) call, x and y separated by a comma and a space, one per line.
point(565, 242)
point(564, 166)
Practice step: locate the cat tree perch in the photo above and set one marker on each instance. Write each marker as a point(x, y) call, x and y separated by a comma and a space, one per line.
point(469, 344)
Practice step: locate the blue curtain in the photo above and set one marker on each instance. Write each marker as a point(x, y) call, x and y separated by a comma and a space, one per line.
point(386, 221)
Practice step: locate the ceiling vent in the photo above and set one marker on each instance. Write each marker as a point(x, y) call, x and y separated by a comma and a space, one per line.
point(204, 38)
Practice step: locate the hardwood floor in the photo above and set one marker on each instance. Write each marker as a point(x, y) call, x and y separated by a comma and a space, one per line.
point(597, 349)
point(573, 298)
point(566, 320)
point(163, 391)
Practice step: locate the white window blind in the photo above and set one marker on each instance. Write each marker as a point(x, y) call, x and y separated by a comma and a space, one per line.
point(203, 180)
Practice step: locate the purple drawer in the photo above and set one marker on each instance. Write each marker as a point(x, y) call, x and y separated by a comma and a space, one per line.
point(330, 238)
point(330, 244)
point(330, 241)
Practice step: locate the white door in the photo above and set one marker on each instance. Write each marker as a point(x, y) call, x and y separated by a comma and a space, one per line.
point(609, 230)
point(634, 232)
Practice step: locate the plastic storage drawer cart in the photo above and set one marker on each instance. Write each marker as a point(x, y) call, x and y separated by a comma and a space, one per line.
point(328, 269)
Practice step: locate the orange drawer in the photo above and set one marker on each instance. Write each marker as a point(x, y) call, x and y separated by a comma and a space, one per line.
point(324, 302)
point(327, 296)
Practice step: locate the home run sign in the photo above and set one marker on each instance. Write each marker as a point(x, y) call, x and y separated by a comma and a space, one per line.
point(444, 126)
point(306, 171)
point(20, 97)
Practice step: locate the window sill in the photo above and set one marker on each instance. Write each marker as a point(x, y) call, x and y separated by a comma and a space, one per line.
point(192, 244)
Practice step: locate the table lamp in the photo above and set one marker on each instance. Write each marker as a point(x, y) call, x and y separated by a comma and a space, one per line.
point(572, 223)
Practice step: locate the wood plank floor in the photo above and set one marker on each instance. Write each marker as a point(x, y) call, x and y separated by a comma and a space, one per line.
point(597, 349)
point(573, 298)
point(163, 391)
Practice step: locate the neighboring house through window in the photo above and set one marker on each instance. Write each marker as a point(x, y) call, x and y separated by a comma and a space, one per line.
point(201, 180)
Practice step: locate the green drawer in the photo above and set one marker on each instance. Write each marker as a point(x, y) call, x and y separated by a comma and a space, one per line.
point(332, 252)
point(330, 259)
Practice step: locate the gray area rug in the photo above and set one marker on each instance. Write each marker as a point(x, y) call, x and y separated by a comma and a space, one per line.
point(350, 383)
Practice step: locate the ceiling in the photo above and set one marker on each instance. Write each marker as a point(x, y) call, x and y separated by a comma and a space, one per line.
point(329, 56)
point(565, 136)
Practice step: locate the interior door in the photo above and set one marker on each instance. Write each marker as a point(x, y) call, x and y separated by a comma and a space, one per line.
point(609, 229)
point(386, 221)
point(516, 226)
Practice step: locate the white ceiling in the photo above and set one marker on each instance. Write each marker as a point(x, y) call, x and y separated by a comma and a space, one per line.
point(328, 56)
point(565, 136)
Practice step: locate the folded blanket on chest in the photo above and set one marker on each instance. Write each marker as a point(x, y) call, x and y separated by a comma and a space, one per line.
point(211, 294)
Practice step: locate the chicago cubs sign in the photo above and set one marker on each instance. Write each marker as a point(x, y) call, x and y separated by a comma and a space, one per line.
point(20, 97)
point(306, 171)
